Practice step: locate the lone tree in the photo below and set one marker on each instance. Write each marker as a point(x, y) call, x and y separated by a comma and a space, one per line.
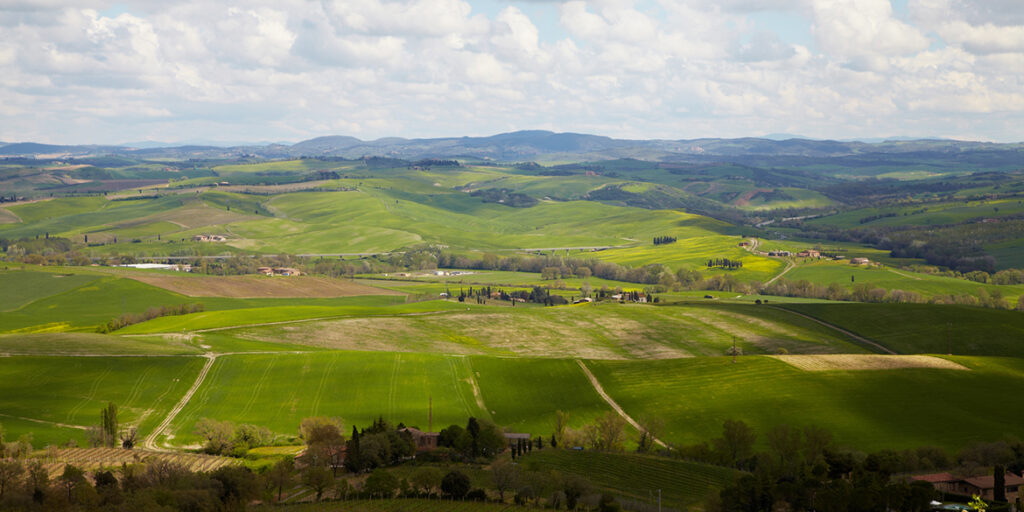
point(108, 424)
point(455, 484)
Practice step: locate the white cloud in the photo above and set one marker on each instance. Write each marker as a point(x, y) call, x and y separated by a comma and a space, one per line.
point(273, 69)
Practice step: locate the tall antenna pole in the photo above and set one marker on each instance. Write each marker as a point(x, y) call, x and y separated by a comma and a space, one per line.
point(949, 338)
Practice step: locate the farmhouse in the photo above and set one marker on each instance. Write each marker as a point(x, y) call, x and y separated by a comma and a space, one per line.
point(983, 486)
point(425, 441)
point(859, 261)
point(744, 244)
point(279, 271)
point(209, 238)
point(809, 253)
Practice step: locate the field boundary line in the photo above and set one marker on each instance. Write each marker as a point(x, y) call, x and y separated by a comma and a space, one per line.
point(62, 425)
point(600, 391)
point(150, 442)
point(836, 328)
point(901, 274)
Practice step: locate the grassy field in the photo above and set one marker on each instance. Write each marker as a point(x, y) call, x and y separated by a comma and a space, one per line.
point(637, 477)
point(355, 386)
point(931, 214)
point(23, 287)
point(866, 409)
point(827, 272)
point(360, 386)
point(928, 329)
point(259, 286)
point(280, 313)
point(92, 344)
point(601, 331)
point(55, 398)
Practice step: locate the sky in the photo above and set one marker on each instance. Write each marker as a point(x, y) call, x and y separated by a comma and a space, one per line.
point(75, 72)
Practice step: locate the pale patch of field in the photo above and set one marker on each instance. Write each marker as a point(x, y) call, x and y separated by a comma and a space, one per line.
point(500, 334)
point(7, 217)
point(259, 286)
point(843, 362)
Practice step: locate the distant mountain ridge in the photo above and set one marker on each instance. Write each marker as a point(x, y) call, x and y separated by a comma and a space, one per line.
point(523, 146)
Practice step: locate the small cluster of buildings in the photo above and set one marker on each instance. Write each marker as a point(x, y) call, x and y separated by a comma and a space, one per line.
point(209, 238)
point(860, 261)
point(279, 271)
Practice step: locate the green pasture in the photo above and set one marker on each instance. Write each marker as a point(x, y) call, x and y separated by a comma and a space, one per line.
point(520, 394)
point(927, 328)
point(21, 287)
point(847, 275)
point(499, 278)
point(87, 306)
point(355, 386)
point(637, 477)
point(69, 343)
point(693, 253)
point(55, 398)
point(925, 214)
point(597, 331)
point(866, 410)
point(523, 394)
point(51, 301)
point(279, 313)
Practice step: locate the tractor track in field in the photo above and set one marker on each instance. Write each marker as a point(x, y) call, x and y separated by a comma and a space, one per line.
point(600, 391)
point(840, 330)
point(54, 423)
point(150, 442)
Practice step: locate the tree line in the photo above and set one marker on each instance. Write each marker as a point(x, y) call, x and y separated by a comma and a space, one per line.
point(127, 319)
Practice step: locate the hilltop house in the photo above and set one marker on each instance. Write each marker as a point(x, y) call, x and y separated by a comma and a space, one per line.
point(859, 261)
point(809, 253)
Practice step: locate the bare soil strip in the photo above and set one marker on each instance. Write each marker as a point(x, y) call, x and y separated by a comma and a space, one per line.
point(843, 362)
point(834, 327)
point(150, 442)
point(600, 391)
